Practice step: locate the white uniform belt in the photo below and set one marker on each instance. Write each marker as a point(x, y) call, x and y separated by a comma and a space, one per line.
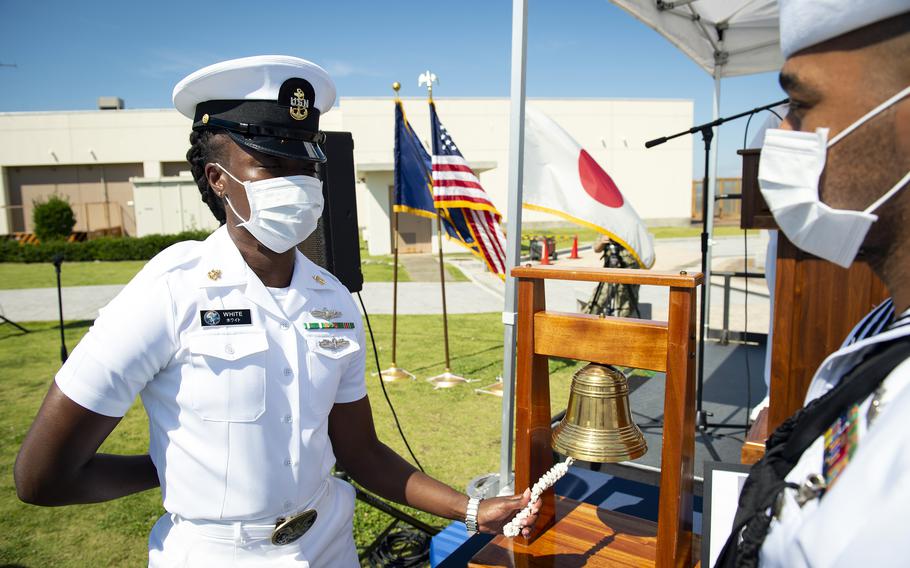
point(247, 531)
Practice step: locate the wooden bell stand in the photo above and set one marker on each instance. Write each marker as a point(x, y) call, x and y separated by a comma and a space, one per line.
point(570, 533)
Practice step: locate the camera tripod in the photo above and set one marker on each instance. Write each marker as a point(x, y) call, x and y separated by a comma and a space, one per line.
point(607, 306)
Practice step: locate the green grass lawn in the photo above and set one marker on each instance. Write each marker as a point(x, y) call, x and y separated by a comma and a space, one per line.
point(694, 231)
point(454, 432)
point(15, 275)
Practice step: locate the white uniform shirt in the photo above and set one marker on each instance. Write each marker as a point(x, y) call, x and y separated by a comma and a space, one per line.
point(238, 413)
point(860, 521)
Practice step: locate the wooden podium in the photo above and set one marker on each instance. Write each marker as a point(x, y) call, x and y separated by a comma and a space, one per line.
point(816, 304)
point(569, 533)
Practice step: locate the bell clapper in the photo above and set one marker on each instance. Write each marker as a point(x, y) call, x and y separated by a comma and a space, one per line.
point(546, 481)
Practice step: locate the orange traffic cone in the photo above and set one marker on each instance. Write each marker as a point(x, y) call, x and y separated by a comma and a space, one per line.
point(544, 253)
point(574, 253)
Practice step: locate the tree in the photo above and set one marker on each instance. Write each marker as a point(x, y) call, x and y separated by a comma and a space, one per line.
point(54, 219)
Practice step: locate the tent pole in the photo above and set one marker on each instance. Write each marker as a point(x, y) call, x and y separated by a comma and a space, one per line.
point(708, 195)
point(513, 240)
point(712, 195)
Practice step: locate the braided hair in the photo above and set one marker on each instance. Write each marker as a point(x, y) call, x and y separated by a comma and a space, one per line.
point(205, 148)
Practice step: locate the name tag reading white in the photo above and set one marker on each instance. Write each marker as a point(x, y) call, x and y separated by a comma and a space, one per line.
point(218, 318)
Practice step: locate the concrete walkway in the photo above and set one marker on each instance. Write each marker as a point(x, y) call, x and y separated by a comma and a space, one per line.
point(423, 267)
point(484, 292)
point(40, 304)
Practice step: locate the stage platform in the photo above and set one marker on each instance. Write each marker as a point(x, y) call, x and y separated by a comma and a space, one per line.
point(730, 389)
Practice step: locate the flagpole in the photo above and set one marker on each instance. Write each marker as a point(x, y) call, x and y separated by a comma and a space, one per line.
point(395, 289)
point(442, 283)
point(395, 373)
point(447, 379)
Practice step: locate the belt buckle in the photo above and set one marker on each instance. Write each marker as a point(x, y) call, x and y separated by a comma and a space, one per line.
point(289, 529)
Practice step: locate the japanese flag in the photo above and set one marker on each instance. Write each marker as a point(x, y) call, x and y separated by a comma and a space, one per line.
point(561, 178)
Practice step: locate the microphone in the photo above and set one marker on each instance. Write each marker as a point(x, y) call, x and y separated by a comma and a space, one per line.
point(655, 142)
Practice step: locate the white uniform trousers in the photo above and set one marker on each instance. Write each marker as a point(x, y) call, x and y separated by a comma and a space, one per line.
point(177, 543)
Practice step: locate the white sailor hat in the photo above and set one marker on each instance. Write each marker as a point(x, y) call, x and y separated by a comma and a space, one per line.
point(270, 103)
point(804, 23)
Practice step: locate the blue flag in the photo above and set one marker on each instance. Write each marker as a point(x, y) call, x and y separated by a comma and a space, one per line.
point(413, 183)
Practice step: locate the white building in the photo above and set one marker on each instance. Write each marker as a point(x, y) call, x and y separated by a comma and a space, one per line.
point(122, 168)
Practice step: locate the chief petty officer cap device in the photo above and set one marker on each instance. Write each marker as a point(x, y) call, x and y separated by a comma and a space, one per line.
point(269, 103)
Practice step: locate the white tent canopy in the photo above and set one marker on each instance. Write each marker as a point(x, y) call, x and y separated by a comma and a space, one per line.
point(726, 38)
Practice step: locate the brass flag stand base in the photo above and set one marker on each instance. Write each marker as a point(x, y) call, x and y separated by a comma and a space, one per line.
point(395, 374)
point(494, 389)
point(447, 380)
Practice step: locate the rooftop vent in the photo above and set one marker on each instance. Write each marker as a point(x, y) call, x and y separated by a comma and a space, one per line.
point(110, 103)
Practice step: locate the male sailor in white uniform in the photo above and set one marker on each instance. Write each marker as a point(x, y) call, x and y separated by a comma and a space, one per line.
point(249, 358)
point(835, 177)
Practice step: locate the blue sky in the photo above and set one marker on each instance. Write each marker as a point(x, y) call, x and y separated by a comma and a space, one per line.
point(67, 53)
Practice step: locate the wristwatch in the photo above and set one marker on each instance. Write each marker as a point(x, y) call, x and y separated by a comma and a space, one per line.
point(470, 518)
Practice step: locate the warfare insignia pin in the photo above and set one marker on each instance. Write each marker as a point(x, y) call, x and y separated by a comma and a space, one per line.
point(334, 343)
point(319, 279)
point(299, 105)
point(214, 274)
point(325, 314)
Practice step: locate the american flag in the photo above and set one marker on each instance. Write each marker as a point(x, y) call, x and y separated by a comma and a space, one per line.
point(456, 190)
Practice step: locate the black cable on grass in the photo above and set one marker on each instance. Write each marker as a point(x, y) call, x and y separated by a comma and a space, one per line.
point(401, 548)
point(382, 384)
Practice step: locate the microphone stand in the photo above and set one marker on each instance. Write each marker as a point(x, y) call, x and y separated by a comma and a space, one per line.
point(707, 134)
point(58, 260)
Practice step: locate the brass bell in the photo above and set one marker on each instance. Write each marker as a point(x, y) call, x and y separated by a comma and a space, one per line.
point(598, 424)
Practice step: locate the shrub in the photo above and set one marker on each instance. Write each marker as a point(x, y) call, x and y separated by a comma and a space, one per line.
point(105, 248)
point(54, 219)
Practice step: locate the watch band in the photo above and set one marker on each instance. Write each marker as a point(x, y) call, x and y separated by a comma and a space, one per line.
point(470, 519)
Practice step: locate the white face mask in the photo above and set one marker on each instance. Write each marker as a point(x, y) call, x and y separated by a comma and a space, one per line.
point(283, 210)
point(791, 165)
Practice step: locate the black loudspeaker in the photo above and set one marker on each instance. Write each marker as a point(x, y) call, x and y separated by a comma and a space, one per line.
point(335, 244)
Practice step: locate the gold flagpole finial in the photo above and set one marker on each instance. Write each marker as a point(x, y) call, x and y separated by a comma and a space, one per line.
point(427, 78)
point(395, 87)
